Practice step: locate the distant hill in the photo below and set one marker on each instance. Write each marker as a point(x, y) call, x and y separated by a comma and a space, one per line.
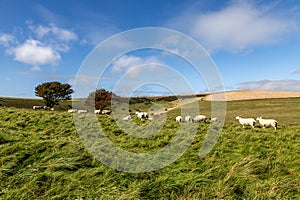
point(251, 94)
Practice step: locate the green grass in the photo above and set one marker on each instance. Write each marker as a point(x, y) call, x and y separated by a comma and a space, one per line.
point(42, 157)
point(29, 103)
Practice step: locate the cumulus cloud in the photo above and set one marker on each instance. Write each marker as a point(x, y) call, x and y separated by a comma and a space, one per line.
point(6, 39)
point(239, 26)
point(35, 53)
point(43, 46)
point(278, 85)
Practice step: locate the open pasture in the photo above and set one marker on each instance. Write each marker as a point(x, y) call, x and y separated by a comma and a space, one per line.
point(42, 157)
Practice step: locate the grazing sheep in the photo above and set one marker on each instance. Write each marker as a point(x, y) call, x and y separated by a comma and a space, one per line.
point(37, 107)
point(246, 121)
point(128, 117)
point(199, 118)
point(142, 115)
point(188, 119)
point(97, 111)
point(72, 110)
point(82, 111)
point(178, 119)
point(52, 109)
point(214, 119)
point(267, 122)
point(107, 112)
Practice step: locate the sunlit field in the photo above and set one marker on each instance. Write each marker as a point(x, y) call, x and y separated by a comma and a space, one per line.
point(42, 157)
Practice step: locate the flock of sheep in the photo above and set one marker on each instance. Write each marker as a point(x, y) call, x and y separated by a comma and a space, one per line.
point(144, 115)
point(42, 107)
point(251, 122)
point(198, 118)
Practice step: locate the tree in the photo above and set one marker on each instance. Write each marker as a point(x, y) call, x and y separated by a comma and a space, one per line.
point(99, 99)
point(53, 92)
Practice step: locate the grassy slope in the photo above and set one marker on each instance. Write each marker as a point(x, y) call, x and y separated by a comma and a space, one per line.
point(42, 157)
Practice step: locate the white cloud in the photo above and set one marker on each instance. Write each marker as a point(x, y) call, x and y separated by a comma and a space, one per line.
point(6, 39)
point(56, 37)
point(56, 32)
point(129, 63)
point(35, 53)
point(278, 85)
point(237, 27)
point(36, 69)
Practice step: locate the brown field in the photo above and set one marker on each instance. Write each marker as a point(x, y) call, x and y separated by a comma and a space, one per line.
point(252, 94)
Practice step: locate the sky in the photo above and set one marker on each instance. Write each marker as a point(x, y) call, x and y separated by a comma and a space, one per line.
point(254, 45)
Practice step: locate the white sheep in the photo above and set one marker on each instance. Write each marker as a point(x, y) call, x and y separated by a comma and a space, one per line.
point(37, 107)
point(214, 119)
point(267, 122)
point(142, 115)
point(128, 117)
point(82, 111)
point(178, 119)
point(188, 119)
point(106, 112)
point(199, 118)
point(246, 121)
point(97, 111)
point(72, 110)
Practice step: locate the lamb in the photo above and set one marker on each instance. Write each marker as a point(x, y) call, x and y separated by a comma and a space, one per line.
point(267, 122)
point(199, 118)
point(246, 121)
point(178, 119)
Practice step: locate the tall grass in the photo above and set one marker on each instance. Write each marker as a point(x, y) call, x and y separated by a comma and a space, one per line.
point(42, 157)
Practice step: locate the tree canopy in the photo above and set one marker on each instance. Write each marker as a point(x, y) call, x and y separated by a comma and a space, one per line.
point(53, 92)
point(99, 99)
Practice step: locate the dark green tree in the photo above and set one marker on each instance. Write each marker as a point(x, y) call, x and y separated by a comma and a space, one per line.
point(99, 99)
point(53, 92)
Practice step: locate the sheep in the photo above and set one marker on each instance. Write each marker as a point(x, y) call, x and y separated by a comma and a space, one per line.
point(97, 111)
point(52, 109)
point(267, 122)
point(37, 107)
point(188, 119)
point(178, 119)
point(214, 119)
point(199, 118)
point(128, 117)
point(72, 110)
point(82, 111)
point(107, 112)
point(142, 115)
point(246, 121)
point(46, 107)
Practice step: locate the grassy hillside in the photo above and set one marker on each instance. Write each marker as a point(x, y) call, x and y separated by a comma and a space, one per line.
point(42, 157)
point(28, 103)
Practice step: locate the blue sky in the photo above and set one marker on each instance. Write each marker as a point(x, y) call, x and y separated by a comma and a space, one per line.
point(254, 44)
